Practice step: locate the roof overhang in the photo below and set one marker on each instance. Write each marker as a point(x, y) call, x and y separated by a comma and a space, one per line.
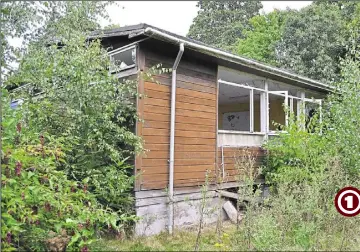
point(150, 31)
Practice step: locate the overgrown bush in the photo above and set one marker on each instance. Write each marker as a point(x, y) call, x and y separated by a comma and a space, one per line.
point(306, 168)
point(305, 179)
point(72, 96)
point(42, 208)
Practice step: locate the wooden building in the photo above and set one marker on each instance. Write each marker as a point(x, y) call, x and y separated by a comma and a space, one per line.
point(197, 117)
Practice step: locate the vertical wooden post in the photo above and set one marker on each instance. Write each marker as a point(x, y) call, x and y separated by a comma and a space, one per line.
point(140, 111)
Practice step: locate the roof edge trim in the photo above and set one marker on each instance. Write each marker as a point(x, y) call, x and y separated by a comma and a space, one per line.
point(149, 31)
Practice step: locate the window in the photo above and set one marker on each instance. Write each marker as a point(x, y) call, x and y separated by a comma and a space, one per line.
point(123, 59)
point(239, 107)
point(15, 103)
point(252, 109)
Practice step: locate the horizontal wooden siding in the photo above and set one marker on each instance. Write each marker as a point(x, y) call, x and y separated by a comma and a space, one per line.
point(237, 161)
point(195, 125)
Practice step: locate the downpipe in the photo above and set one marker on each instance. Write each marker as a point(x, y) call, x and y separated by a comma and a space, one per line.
point(172, 139)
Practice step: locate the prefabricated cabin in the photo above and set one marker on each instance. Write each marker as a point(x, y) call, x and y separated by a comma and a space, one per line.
point(195, 119)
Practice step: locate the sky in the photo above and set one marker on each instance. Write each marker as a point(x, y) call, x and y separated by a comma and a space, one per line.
point(174, 16)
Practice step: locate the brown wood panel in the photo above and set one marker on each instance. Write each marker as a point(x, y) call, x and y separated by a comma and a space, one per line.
point(177, 168)
point(194, 134)
point(139, 124)
point(156, 132)
point(190, 155)
point(178, 155)
point(148, 185)
point(156, 87)
point(164, 161)
point(193, 161)
point(181, 76)
point(156, 117)
point(192, 141)
point(192, 120)
point(154, 162)
point(195, 122)
point(156, 139)
point(195, 94)
point(179, 91)
point(179, 105)
point(178, 133)
point(233, 166)
point(195, 127)
point(188, 83)
point(189, 106)
point(156, 110)
point(230, 163)
point(232, 152)
point(181, 112)
point(179, 118)
point(196, 100)
point(157, 102)
point(178, 126)
point(195, 114)
point(179, 147)
point(177, 176)
point(149, 93)
point(179, 98)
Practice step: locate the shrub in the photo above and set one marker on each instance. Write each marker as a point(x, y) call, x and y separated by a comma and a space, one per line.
point(41, 208)
point(93, 111)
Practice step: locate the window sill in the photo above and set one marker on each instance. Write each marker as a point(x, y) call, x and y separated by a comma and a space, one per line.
point(240, 132)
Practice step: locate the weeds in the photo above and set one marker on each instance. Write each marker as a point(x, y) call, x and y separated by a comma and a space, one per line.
point(203, 211)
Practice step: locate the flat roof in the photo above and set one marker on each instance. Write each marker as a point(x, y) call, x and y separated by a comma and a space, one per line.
point(160, 34)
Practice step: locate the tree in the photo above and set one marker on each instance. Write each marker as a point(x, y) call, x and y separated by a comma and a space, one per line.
point(220, 23)
point(313, 42)
point(260, 40)
point(17, 18)
point(82, 103)
point(343, 112)
point(27, 21)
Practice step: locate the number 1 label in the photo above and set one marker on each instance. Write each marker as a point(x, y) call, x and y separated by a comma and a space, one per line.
point(349, 202)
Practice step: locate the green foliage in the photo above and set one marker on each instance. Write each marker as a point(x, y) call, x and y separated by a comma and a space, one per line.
point(307, 169)
point(313, 40)
point(40, 206)
point(310, 42)
point(220, 24)
point(294, 151)
point(27, 21)
point(261, 38)
point(81, 102)
point(92, 110)
point(17, 18)
point(343, 117)
point(335, 138)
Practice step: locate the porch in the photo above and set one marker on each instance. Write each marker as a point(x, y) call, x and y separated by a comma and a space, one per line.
point(252, 109)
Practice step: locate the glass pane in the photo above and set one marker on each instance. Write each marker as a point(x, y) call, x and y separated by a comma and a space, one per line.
point(124, 60)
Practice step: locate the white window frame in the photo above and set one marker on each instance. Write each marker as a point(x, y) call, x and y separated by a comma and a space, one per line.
point(120, 50)
point(284, 94)
point(251, 102)
point(265, 105)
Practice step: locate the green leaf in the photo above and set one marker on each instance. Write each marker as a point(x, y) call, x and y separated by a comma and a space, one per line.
point(74, 239)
